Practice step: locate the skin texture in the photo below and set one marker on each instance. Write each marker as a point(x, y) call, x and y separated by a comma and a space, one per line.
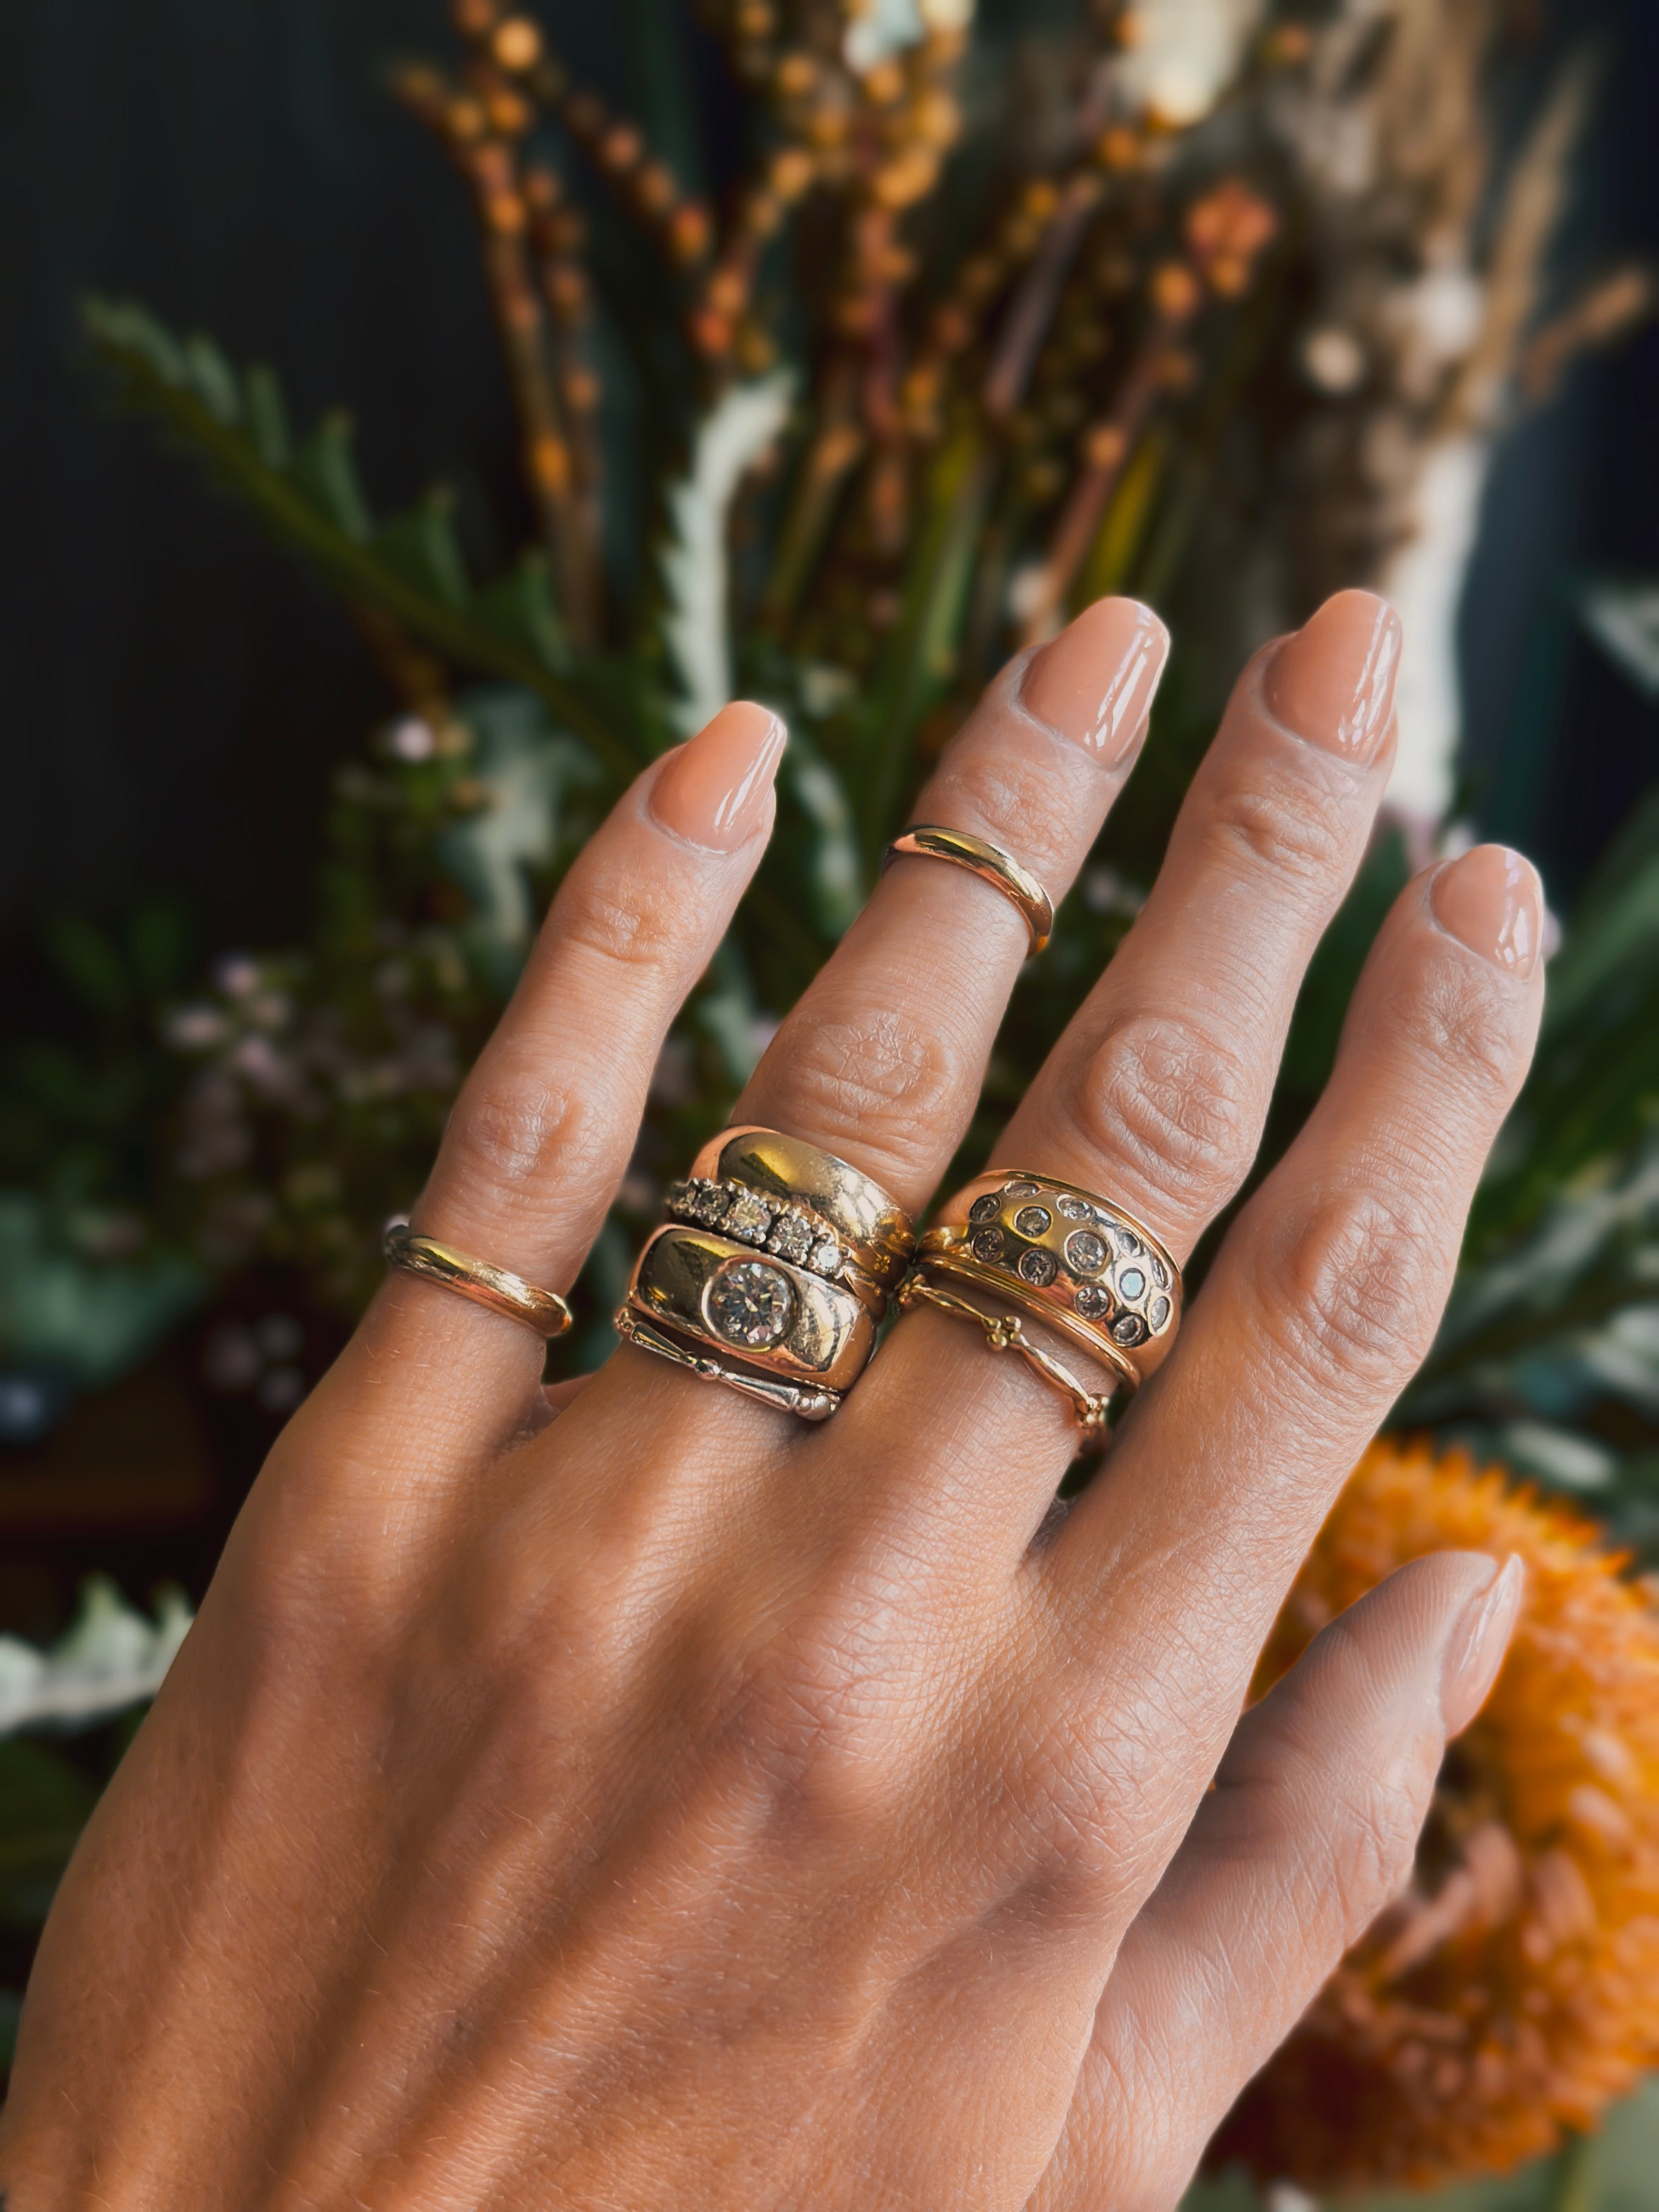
point(627, 1798)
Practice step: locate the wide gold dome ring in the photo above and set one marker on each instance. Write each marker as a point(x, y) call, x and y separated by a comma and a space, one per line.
point(1080, 1263)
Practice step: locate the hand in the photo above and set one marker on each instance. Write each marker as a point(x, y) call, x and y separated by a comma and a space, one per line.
point(658, 1804)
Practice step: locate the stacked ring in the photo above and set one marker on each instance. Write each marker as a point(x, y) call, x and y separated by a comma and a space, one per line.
point(1083, 1265)
point(776, 1253)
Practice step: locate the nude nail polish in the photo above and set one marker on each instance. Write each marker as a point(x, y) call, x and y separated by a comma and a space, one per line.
point(1095, 682)
point(1476, 1649)
point(1491, 900)
point(715, 790)
point(1333, 682)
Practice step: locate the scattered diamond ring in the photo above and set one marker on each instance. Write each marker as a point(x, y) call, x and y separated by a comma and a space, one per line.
point(1080, 1263)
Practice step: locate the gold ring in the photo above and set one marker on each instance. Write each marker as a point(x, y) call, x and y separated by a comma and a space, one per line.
point(927, 841)
point(1080, 1263)
point(807, 1403)
point(1007, 1333)
point(544, 1311)
point(781, 1253)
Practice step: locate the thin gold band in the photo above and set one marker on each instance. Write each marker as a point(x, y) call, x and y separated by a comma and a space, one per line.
point(503, 1293)
point(927, 841)
point(1007, 1333)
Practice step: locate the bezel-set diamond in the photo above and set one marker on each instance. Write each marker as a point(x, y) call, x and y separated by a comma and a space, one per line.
point(750, 1304)
point(1086, 1253)
point(1034, 1221)
point(985, 1209)
point(1038, 1266)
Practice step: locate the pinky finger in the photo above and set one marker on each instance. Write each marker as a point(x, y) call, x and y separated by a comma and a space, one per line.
point(1310, 1831)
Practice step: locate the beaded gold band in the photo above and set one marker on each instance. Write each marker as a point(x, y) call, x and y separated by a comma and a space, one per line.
point(807, 1403)
point(1083, 1265)
point(1007, 1333)
point(927, 841)
point(544, 1311)
point(779, 1254)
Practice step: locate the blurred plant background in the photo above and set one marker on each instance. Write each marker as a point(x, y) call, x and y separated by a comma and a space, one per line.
point(826, 353)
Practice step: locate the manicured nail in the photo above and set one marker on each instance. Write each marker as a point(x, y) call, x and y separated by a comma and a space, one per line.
point(715, 790)
point(1333, 682)
point(1475, 1649)
point(1095, 682)
point(1491, 900)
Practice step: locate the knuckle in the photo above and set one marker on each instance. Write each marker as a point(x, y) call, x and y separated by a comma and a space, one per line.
point(1271, 819)
point(871, 1075)
point(1013, 796)
point(626, 922)
point(1178, 1105)
point(1356, 1284)
point(505, 1128)
point(1451, 1013)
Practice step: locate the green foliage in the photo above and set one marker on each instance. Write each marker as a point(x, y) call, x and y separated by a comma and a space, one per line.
point(408, 568)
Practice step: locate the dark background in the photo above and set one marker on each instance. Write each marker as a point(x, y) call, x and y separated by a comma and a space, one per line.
point(175, 692)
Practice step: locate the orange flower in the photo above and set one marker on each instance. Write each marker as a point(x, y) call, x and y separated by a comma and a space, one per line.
point(1514, 1990)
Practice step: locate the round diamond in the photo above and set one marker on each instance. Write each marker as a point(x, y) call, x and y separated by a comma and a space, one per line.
point(986, 1208)
point(988, 1245)
point(1131, 1282)
point(1038, 1266)
point(1075, 1209)
point(1085, 1255)
point(1034, 1221)
point(1021, 1190)
point(1129, 1246)
point(1159, 1312)
point(750, 1304)
point(1130, 1329)
point(827, 1256)
point(1093, 1302)
point(748, 1217)
point(1160, 1273)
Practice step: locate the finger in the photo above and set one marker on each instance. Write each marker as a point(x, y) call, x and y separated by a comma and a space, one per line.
point(544, 1128)
point(1310, 1831)
point(881, 1061)
point(1324, 1297)
point(1157, 1093)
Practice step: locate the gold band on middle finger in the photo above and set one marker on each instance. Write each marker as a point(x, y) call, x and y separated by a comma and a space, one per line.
point(778, 1253)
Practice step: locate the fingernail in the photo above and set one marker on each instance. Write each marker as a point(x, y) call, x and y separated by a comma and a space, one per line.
point(1095, 682)
point(1475, 1649)
point(1333, 682)
point(1491, 900)
point(715, 790)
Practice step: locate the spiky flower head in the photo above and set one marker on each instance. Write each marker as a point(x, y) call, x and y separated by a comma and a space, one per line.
point(1514, 1990)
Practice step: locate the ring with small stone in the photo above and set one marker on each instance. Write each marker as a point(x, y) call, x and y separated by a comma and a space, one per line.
point(1080, 1263)
point(778, 1253)
point(1007, 1333)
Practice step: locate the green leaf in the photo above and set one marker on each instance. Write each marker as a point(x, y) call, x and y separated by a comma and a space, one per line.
point(212, 378)
point(422, 546)
point(315, 504)
point(326, 467)
point(267, 417)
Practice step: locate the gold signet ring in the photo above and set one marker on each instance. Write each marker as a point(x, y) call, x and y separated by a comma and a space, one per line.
point(927, 841)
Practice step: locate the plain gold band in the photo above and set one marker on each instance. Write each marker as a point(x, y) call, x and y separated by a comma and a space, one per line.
point(927, 841)
point(544, 1311)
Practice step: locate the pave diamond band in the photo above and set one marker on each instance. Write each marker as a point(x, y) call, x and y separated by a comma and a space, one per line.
point(779, 1254)
point(1080, 1263)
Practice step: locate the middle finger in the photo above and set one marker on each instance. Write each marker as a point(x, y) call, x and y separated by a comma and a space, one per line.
point(1155, 1095)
